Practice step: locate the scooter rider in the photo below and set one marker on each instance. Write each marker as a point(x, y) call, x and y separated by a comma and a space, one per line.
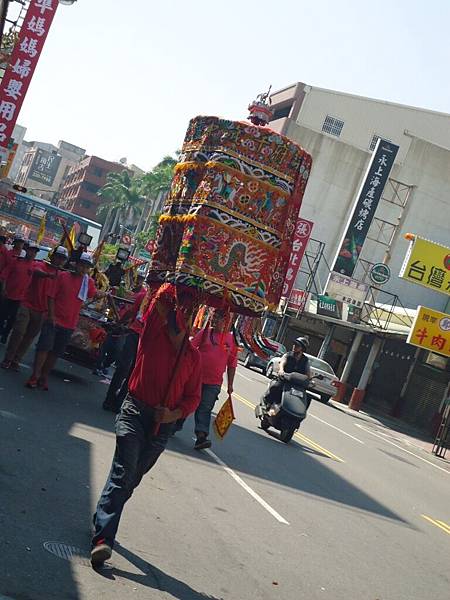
point(296, 361)
point(291, 362)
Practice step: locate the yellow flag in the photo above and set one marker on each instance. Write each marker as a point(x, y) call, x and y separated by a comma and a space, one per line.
point(41, 231)
point(224, 418)
point(98, 252)
point(73, 236)
point(69, 238)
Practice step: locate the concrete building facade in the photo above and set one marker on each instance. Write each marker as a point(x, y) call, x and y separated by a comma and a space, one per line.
point(19, 133)
point(83, 181)
point(340, 131)
point(44, 168)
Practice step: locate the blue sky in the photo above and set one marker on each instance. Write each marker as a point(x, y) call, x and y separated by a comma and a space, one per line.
point(121, 78)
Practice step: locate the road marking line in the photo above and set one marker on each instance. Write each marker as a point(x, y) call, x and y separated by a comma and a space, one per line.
point(315, 446)
point(439, 524)
point(382, 437)
point(245, 377)
point(246, 487)
point(299, 436)
point(447, 527)
point(337, 429)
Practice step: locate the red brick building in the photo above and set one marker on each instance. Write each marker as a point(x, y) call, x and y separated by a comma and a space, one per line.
point(79, 193)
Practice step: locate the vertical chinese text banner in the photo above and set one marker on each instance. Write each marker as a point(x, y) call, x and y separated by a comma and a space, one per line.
point(302, 234)
point(22, 64)
point(366, 204)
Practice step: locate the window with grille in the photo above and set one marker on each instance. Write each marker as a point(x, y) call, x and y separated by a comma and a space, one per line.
point(374, 141)
point(332, 125)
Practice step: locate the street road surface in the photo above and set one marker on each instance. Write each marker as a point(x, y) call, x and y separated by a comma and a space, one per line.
point(346, 511)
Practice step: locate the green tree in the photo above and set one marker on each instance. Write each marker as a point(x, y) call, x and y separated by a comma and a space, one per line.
point(154, 185)
point(159, 178)
point(143, 237)
point(122, 200)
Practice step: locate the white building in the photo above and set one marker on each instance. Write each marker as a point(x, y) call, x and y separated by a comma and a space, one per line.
point(18, 135)
point(340, 131)
point(44, 167)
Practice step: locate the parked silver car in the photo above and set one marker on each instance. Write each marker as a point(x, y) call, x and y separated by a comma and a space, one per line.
point(325, 387)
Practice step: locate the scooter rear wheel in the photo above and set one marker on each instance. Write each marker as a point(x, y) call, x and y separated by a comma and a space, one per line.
point(286, 435)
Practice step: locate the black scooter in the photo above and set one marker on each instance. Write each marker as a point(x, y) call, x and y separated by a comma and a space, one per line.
point(291, 411)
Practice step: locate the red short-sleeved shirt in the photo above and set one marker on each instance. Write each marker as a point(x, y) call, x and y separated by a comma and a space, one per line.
point(67, 303)
point(8, 259)
point(3, 256)
point(218, 351)
point(137, 324)
point(18, 275)
point(41, 288)
point(155, 365)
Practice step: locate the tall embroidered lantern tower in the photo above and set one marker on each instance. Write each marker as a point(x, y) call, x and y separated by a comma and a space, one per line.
point(227, 224)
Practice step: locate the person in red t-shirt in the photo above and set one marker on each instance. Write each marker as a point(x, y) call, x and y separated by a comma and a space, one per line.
point(219, 353)
point(36, 306)
point(17, 276)
point(164, 386)
point(3, 252)
point(8, 254)
point(118, 387)
point(73, 288)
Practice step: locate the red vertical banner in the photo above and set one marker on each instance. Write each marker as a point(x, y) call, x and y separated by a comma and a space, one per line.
point(22, 64)
point(302, 234)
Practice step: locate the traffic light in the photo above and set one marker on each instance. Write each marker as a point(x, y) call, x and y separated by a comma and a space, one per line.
point(19, 188)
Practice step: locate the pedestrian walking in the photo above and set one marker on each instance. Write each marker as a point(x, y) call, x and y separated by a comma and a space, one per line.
point(164, 386)
point(73, 288)
point(218, 351)
point(35, 308)
point(118, 387)
point(17, 276)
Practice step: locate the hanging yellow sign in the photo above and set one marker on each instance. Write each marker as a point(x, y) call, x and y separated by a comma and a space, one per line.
point(428, 264)
point(431, 331)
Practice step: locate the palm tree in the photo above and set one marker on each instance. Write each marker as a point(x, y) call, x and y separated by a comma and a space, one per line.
point(122, 200)
point(155, 185)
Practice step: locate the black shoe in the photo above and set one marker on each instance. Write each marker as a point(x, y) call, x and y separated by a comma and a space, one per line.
point(111, 407)
point(202, 442)
point(99, 553)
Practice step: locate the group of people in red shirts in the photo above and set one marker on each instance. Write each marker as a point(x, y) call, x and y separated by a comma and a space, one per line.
point(40, 297)
point(167, 374)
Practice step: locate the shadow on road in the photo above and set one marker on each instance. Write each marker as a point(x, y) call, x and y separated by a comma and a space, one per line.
point(45, 479)
point(292, 465)
point(152, 577)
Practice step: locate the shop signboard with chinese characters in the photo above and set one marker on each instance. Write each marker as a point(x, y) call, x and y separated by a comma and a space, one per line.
point(44, 168)
point(366, 204)
point(22, 64)
point(329, 307)
point(302, 234)
point(431, 331)
point(297, 300)
point(427, 264)
point(348, 290)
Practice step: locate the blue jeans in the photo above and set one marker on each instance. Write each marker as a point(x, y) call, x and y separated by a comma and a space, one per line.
point(118, 387)
point(210, 393)
point(110, 351)
point(137, 451)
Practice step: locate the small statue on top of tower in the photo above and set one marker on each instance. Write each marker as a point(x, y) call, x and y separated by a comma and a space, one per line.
point(260, 111)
